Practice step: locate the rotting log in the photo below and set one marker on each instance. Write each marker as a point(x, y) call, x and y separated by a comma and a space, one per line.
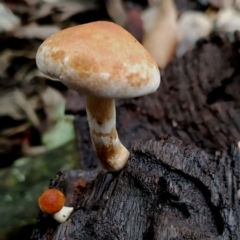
point(166, 191)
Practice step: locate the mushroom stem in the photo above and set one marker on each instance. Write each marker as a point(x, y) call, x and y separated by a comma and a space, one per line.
point(63, 215)
point(101, 115)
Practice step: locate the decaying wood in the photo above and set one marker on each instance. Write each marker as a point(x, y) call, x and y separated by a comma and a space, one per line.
point(167, 191)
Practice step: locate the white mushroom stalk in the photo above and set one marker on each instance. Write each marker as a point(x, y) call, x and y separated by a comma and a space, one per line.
point(102, 123)
point(63, 215)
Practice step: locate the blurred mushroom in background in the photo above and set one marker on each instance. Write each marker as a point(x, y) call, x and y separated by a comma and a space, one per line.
point(192, 26)
point(160, 31)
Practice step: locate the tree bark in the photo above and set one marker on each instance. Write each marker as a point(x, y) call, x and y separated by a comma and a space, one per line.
point(167, 191)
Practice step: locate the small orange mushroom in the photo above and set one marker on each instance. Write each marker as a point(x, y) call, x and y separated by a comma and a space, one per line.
point(52, 202)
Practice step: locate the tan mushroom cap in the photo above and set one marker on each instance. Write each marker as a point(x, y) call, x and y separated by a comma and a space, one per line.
point(100, 59)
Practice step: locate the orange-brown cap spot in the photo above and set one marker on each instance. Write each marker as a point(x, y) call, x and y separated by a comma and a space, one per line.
point(51, 201)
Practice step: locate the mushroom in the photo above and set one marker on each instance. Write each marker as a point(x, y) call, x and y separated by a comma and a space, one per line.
point(192, 26)
point(160, 31)
point(228, 20)
point(52, 202)
point(104, 62)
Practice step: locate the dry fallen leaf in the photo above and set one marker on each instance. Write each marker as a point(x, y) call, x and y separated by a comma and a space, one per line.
point(9, 107)
point(33, 30)
point(53, 103)
point(68, 9)
point(41, 12)
point(5, 59)
point(8, 21)
point(15, 130)
point(26, 107)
